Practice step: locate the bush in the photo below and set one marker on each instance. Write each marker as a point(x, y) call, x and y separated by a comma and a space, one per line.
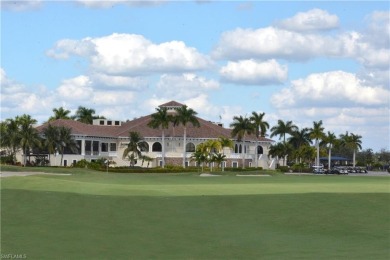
point(283, 168)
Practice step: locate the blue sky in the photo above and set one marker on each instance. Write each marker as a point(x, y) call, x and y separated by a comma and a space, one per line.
point(299, 61)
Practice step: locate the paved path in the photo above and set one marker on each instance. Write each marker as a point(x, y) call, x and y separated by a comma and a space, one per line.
point(10, 174)
point(370, 173)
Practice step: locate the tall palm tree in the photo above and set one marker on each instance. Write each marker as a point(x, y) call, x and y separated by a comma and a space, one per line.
point(225, 143)
point(185, 115)
point(352, 142)
point(10, 137)
point(261, 127)
point(161, 119)
point(134, 147)
point(84, 115)
point(300, 137)
point(65, 141)
point(329, 139)
point(317, 133)
point(51, 138)
point(211, 148)
point(60, 113)
point(283, 128)
point(29, 137)
point(242, 127)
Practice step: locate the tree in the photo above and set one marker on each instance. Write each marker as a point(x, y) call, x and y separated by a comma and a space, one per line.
point(282, 129)
point(225, 143)
point(10, 138)
point(84, 115)
point(219, 158)
point(352, 142)
point(134, 147)
point(65, 141)
point(29, 137)
point(161, 119)
point(317, 133)
point(60, 113)
point(51, 139)
point(242, 127)
point(211, 148)
point(329, 139)
point(261, 127)
point(199, 156)
point(185, 115)
point(300, 137)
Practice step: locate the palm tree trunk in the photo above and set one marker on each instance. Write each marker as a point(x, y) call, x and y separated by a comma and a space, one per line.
point(257, 156)
point(163, 149)
point(329, 157)
point(243, 152)
point(184, 147)
point(354, 157)
point(318, 153)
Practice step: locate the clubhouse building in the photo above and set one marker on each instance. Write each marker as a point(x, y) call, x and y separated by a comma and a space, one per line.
point(108, 139)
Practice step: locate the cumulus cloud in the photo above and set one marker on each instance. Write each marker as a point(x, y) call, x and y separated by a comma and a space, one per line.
point(17, 99)
point(130, 54)
point(335, 88)
point(251, 72)
point(185, 86)
point(20, 5)
point(112, 3)
point(312, 20)
point(271, 42)
point(295, 39)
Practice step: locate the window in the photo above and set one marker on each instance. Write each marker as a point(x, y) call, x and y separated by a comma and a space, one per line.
point(95, 147)
point(240, 149)
point(104, 147)
point(101, 122)
point(117, 123)
point(156, 147)
point(109, 122)
point(236, 148)
point(259, 149)
point(186, 163)
point(190, 147)
point(112, 147)
point(65, 163)
point(74, 162)
point(235, 164)
point(88, 145)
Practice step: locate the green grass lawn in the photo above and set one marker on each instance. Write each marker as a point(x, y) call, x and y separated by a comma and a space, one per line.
point(92, 215)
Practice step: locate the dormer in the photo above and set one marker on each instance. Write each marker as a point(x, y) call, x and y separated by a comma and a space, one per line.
point(107, 122)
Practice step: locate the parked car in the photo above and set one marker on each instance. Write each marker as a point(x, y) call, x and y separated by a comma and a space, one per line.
point(318, 169)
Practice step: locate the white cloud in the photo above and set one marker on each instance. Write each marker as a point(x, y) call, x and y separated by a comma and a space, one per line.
point(104, 81)
point(20, 5)
point(78, 88)
point(271, 43)
point(312, 20)
point(335, 88)
point(184, 86)
point(112, 3)
point(63, 49)
point(251, 72)
point(130, 54)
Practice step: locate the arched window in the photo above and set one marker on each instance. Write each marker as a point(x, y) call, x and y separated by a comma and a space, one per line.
point(259, 149)
point(236, 148)
point(156, 147)
point(144, 146)
point(240, 149)
point(190, 147)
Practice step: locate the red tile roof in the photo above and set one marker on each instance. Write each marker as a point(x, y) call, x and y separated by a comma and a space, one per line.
point(206, 130)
